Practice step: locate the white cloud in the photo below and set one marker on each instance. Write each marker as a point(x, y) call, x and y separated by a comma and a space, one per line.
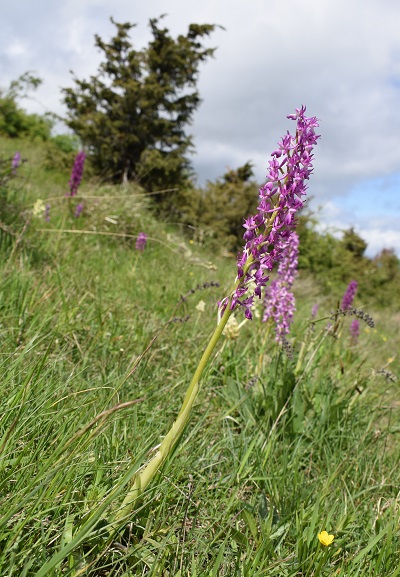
point(379, 238)
point(16, 49)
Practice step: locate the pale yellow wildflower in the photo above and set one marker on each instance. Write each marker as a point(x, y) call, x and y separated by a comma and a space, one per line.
point(201, 305)
point(38, 208)
point(231, 330)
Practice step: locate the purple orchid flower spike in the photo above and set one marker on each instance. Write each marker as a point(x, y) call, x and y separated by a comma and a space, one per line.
point(279, 302)
point(76, 174)
point(349, 295)
point(267, 232)
point(141, 241)
point(354, 331)
point(16, 162)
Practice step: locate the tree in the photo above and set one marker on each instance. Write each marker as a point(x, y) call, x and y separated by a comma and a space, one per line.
point(354, 243)
point(132, 116)
point(388, 265)
point(14, 121)
point(218, 210)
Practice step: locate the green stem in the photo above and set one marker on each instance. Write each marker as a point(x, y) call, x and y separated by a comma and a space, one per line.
point(142, 479)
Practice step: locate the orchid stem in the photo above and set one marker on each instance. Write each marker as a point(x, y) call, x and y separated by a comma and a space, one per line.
point(143, 477)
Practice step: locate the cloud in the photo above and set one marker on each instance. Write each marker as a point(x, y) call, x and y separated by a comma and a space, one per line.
point(378, 230)
point(16, 49)
point(377, 241)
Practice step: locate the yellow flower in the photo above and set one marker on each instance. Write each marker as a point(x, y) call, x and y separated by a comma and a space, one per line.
point(201, 305)
point(38, 208)
point(325, 539)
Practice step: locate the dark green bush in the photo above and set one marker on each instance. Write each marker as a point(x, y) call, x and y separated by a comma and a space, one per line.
point(217, 211)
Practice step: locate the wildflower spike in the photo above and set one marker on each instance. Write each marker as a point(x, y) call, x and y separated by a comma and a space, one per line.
point(266, 233)
point(279, 301)
point(76, 174)
point(141, 241)
point(349, 295)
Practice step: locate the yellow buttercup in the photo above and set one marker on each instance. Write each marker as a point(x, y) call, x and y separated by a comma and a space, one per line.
point(325, 539)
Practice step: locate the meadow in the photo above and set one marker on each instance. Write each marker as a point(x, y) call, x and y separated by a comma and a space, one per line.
point(99, 342)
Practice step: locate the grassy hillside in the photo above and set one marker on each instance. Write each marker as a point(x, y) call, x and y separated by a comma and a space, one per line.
point(98, 344)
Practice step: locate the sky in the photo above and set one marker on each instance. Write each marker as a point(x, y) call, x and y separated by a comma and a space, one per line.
point(340, 58)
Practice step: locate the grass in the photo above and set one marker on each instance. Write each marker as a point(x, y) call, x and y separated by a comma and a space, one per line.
point(276, 451)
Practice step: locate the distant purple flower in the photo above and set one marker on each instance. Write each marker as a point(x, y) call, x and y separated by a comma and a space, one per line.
point(78, 210)
point(354, 331)
point(287, 269)
point(16, 162)
point(279, 301)
point(280, 198)
point(76, 174)
point(349, 295)
point(141, 241)
point(46, 214)
point(314, 310)
point(280, 306)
